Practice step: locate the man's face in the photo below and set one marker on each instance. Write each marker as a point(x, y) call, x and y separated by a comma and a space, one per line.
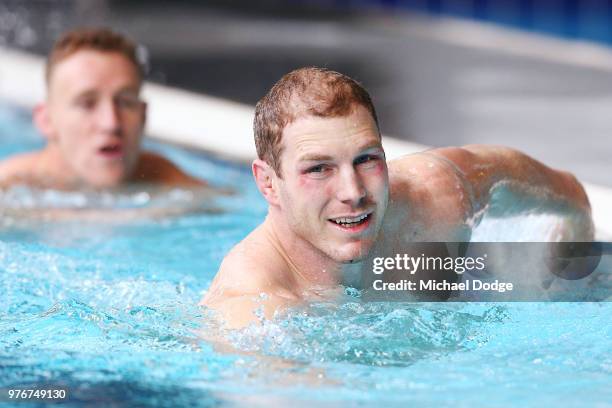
point(95, 117)
point(334, 187)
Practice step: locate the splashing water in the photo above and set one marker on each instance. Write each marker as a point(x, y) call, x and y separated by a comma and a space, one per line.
point(108, 311)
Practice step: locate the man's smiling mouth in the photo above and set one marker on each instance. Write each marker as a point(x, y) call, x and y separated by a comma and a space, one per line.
point(352, 222)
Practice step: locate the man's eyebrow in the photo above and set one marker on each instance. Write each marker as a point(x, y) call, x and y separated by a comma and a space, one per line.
point(128, 90)
point(324, 157)
point(370, 146)
point(86, 94)
point(92, 93)
point(315, 157)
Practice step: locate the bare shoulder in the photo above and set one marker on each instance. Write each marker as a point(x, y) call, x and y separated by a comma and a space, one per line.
point(430, 190)
point(241, 272)
point(19, 162)
point(476, 157)
point(19, 168)
point(154, 168)
point(427, 175)
point(251, 277)
point(251, 267)
point(445, 160)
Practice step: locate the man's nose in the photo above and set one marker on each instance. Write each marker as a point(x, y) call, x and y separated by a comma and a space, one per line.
point(108, 117)
point(351, 189)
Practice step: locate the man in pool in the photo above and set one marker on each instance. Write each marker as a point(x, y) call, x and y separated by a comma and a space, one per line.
point(93, 119)
point(334, 203)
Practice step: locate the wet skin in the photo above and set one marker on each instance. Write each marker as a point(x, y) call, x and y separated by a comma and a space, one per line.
point(334, 187)
point(337, 204)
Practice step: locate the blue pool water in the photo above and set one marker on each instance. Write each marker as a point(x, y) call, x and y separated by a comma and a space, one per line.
point(108, 310)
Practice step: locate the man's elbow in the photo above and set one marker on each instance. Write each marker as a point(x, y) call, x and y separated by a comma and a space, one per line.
point(576, 191)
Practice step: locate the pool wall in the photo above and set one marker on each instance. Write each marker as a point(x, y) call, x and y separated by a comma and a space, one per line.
point(224, 128)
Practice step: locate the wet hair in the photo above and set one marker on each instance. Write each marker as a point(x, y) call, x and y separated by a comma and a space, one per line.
point(96, 39)
point(305, 91)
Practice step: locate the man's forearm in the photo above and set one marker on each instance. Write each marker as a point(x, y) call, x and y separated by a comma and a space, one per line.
point(494, 165)
point(486, 168)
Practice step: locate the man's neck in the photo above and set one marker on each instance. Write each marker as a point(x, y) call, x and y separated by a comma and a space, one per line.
point(311, 267)
point(52, 171)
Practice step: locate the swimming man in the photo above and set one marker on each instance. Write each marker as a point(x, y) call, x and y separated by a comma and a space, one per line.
point(334, 202)
point(92, 119)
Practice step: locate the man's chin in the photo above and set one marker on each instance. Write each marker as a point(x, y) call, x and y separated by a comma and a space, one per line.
point(351, 253)
point(107, 182)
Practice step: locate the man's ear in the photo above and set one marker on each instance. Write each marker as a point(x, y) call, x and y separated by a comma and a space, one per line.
point(264, 178)
point(42, 121)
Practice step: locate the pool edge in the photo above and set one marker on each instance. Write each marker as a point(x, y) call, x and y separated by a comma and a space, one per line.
point(221, 124)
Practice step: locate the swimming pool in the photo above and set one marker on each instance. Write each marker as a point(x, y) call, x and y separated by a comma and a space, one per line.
point(108, 311)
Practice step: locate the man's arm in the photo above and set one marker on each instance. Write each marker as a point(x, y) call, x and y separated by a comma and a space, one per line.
point(484, 168)
point(153, 168)
point(236, 312)
point(22, 168)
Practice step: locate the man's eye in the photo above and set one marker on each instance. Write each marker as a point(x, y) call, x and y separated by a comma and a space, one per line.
point(86, 104)
point(367, 160)
point(316, 169)
point(128, 102)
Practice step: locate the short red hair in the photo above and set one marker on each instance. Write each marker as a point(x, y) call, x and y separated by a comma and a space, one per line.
point(97, 39)
point(305, 91)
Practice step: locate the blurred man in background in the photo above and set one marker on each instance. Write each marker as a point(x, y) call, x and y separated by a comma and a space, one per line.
point(93, 120)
